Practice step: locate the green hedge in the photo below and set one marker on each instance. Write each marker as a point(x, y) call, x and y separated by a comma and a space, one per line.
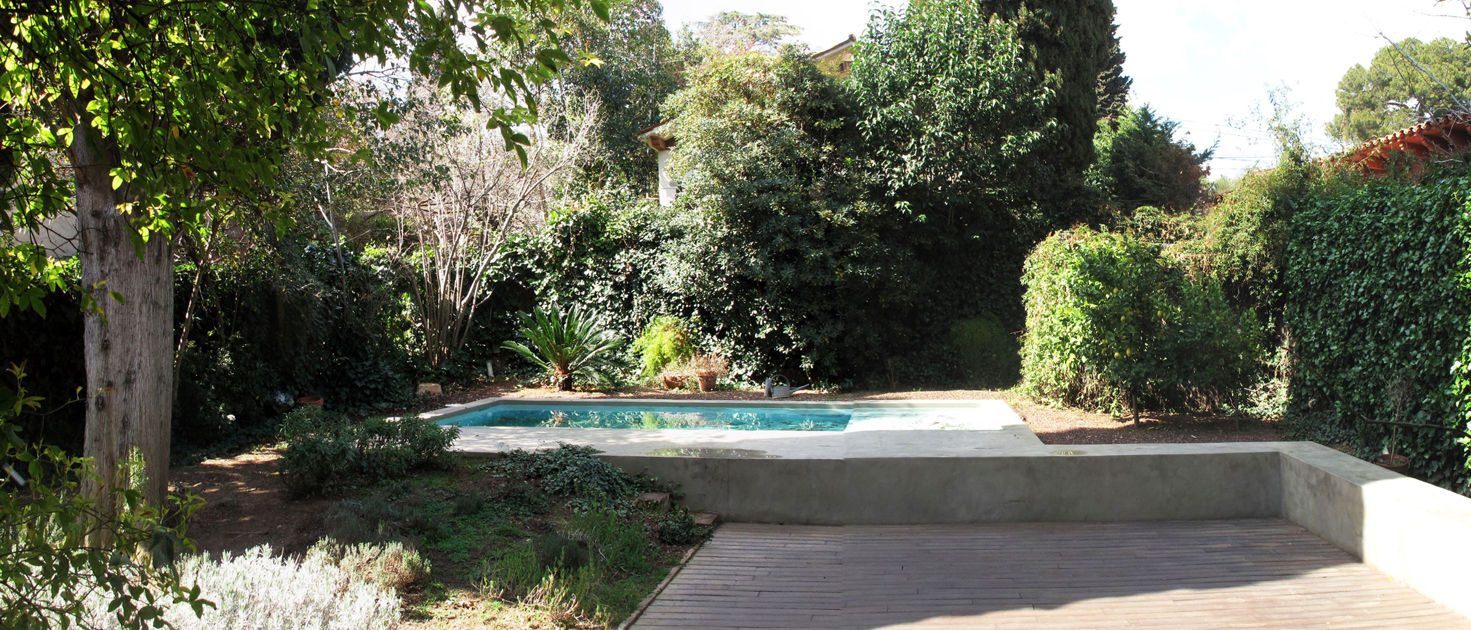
point(1378, 311)
point(1114, 325)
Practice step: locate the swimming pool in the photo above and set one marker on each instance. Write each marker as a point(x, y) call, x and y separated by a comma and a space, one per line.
point(751, 417)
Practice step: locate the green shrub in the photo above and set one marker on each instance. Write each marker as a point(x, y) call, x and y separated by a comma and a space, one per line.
point(308, 419)
point(1378, 310)
point(1113, 325)
point(324, 451)
point(51, 574)
point(569, 345)
point(677, 527)
point(314, 463)
point(390, 448)
point(392, 565)
point(573, 471)
point(665, 340)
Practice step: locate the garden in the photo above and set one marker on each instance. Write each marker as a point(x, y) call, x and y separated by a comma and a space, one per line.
point(285, 229)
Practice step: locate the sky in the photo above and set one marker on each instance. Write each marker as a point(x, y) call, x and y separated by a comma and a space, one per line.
point(1208, 65)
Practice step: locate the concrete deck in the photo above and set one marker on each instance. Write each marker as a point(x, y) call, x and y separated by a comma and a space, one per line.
point(1260, 573)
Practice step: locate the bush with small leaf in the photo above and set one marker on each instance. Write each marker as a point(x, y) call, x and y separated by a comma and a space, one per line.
point(308, 419)
point(664, 341)
point(392, 565)
point(1114, 325)
point(326, 453)
point(258, 590)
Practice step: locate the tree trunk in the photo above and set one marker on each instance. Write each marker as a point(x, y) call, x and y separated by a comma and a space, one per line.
point(128, 337)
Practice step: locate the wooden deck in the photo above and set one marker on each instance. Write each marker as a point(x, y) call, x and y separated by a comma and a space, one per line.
point(1185, 574)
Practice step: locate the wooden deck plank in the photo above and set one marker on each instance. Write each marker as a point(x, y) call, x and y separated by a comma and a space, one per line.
point(1262, 573)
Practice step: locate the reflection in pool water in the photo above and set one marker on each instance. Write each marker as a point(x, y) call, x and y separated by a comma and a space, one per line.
point(744, 417)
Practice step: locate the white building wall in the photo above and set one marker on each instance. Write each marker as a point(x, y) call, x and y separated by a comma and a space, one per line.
point(58, 235)
point(668, 188)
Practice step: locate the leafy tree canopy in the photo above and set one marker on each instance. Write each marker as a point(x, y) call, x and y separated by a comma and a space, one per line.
point(776, 247)
point(954, 115)
point(637, 67)
point(165, 111)
point(733, 32)
point(1408, 82)
point(166, 84)
point(1074, 41)
point(1141, 163)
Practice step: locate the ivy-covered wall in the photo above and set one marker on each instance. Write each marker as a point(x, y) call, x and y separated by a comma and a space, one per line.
point(1378, 315)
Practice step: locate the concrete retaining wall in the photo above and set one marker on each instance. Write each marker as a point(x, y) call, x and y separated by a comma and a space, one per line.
point(1413, 531)
point(880, 491)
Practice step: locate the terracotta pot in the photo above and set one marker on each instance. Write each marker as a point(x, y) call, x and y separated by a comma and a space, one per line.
point(673, 382)
point(309, 401)
point(1393, 461)
point(707, 380)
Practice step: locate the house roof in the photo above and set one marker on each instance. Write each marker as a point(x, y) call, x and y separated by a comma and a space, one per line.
point(835, 50)
point(1444, 135)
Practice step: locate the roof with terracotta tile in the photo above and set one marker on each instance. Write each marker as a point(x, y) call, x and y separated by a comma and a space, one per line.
point(1445, 135)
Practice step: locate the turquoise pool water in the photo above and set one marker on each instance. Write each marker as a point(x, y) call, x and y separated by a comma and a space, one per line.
point(745, 417)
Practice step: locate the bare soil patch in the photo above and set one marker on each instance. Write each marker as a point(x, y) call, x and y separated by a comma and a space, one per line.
point(247, 505)
point(1054, 425)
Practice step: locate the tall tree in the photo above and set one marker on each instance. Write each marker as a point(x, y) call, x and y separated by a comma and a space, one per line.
point(1408, 82)
point(1113, 84)
point(638, 67)
point(733, 33)
point(148, 115)
point(1142, 163)
point(1074, 42)
point(958, 123)
point(776, 253)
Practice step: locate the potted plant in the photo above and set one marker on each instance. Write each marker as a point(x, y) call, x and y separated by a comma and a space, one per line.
point(1398, 392)
point(1397, 462)
point(708, 369)
point(675, 374)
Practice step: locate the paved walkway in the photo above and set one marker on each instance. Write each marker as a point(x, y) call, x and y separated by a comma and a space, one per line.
point(1180, 574)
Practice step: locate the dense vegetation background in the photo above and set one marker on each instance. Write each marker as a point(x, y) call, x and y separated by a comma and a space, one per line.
point(976, 205)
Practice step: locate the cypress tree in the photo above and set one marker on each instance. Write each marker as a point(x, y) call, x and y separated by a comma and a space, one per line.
point(1075, 42)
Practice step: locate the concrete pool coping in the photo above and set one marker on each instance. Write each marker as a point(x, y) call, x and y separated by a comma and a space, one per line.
point(992, 428)
point(1410, 530)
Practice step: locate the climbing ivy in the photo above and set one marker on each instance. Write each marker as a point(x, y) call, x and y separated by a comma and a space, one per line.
point(1378, 312)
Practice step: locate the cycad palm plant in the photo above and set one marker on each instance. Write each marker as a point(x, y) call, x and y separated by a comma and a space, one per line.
point(570, 345)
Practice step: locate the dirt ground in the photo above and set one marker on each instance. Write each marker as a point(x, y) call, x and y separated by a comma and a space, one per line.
point(247, 505)
point(1070, 426)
